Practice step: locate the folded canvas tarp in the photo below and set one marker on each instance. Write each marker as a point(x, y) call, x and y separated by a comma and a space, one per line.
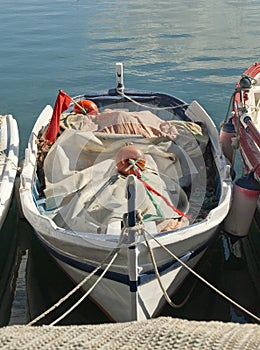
point(84, 186)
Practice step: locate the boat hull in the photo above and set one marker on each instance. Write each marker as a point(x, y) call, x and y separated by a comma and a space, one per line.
point(9, 147)
point(246, 120)
point(120, 304)
point(118, 297)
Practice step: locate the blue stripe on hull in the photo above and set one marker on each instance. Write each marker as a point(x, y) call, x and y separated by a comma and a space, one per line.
point(121, 278)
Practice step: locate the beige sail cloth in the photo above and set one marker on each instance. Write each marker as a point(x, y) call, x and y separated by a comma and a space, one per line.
point(83, 184)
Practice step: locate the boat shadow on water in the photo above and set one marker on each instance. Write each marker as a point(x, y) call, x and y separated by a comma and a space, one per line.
point(10, 258)
point(45, 284)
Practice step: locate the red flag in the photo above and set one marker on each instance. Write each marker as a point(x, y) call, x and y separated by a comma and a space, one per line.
point(62, 103)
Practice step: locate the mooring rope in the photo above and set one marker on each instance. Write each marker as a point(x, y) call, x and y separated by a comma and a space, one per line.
point(87, 293)
point(150, 107)
point(166, 295)
point(113, 253)
point(235, 142)
point(202, 279)
point(228, 110)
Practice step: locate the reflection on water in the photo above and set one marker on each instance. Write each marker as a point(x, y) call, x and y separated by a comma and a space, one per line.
point(195, 48)
point(18, 310)
point(40, 284)
point(9, 263)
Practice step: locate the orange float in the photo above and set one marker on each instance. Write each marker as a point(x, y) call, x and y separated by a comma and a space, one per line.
point(89, 106)
point(123, 157)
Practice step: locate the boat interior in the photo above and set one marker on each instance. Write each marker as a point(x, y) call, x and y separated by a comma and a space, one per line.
point(79, 183)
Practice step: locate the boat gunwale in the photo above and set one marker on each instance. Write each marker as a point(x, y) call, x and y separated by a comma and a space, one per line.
point(31, 161)
point(143, 277)
point(10, 165)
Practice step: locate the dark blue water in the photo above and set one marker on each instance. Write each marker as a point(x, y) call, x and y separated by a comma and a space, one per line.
point(194, 50)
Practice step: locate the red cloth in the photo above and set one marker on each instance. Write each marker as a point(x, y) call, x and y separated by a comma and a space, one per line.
point(62, 103)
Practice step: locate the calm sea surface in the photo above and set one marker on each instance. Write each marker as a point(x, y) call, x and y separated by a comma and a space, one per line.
point(191, 49)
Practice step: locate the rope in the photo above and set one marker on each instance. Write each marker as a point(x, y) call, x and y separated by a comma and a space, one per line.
point(205, 281)
point(169, 301)
point(235, 144)
point(155, 204)
point(150, 188)
point(137, 172)
point(150, 107)
point(79, 285)
point(153, 190)
point(87, 293)
point(228, 110)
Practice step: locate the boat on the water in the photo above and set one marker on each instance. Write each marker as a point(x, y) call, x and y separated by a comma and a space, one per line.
point(125, 189)
point(9, 152)
point(242, 130)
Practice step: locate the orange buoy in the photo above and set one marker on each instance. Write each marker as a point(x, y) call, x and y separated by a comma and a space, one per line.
point(127, 153)
point(89, 106)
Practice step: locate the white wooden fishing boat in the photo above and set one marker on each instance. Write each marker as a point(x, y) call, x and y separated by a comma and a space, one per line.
point(134, 187)
point(9, 151)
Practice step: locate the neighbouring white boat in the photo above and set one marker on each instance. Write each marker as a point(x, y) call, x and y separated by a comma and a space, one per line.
point(134, 187)
point(9, 152)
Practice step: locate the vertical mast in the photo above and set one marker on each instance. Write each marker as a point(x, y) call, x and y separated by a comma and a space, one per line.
point(119, 77)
